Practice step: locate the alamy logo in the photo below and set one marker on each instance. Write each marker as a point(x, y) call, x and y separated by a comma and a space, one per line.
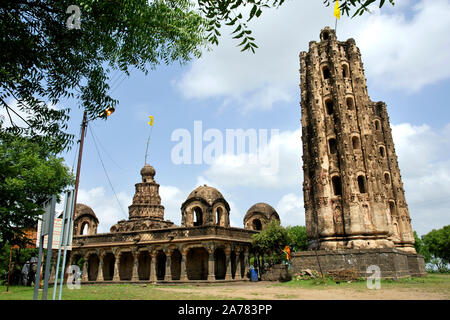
point(373, 281)
point(243, 147)
point(74, 278)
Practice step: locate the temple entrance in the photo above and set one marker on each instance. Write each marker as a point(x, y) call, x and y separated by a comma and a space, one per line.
point(233, 264)
point(175, 265)
point(144, 265)
point(160, 265)
point(108, 266)
point(93, 264)
point(197, 264)
point(126, 266)
point(220, 261)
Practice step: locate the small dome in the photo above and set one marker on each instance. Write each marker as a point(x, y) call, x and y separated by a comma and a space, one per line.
point(82, 209)
point(208, 193)
point(148, 170)
point(261, 208)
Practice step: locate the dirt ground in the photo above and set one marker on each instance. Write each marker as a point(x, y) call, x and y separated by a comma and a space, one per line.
point(261, 290)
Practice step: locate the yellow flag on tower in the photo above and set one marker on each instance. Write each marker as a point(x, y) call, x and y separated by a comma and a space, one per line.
point(151, 120)
point(337, 11)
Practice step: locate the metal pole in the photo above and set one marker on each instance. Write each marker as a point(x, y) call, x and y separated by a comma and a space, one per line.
point(66, 239)
point(49, 248)
point(9, 268)
point(55, 284)
point(80, 154)
point(37, 279)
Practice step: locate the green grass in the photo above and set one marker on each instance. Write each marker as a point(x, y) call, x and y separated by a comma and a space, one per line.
point(438, 282)
point(105, 292)
point(432, 283)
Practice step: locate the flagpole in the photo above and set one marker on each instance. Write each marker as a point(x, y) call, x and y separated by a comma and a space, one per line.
point(335, 27)
point(148, 140)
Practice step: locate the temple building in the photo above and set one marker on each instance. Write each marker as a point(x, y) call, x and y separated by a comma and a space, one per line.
point(148, 248)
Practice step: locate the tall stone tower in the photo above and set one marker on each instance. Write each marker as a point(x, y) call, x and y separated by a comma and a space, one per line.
point(146, 211)
point(353, 191)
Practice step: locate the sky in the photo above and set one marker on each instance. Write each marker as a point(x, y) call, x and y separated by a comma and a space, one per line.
point(405, 50)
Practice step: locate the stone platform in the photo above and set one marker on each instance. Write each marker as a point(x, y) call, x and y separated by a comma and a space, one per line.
point(393, 263)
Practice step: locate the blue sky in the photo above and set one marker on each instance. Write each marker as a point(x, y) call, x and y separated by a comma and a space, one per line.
point(405, 51)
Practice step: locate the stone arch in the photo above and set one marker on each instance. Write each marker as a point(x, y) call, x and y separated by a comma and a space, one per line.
point(198, 215)
point(329, 106)
point(332, 144)
point(197, 264)
point(220, 264)
point(337, 185)
point(326, 73)
point(126, 265)
point(144, 261)
point(93, 265)
point(356, 143)
point(382, 151)
point(175, 264)
point(387, 178)
point(160, 265)
point(108, 266)
point(84, 228)
point(362, 184)
point(377, 125)
point(345, 71)
point(256, 224)
point(350, 103)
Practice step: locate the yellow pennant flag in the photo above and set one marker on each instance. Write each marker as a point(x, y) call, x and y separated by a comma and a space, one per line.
point(151, 120)
point(337, 11)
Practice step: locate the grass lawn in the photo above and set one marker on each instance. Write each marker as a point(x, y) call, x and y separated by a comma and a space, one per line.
point(433, 286)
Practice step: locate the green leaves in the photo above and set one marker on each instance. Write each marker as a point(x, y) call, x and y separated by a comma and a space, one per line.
point(29, 174)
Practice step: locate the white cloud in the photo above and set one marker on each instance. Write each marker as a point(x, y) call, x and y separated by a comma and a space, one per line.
point(404, 53)
point(424, 160)
point(172, 198)
point(105, 206)
point(398, 51)
point(291, 211)
point(280, 169)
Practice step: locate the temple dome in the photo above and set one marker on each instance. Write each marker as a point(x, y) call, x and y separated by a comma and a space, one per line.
point(207, 193)
point(148, 170)
point(82, 210)
point(258, 215)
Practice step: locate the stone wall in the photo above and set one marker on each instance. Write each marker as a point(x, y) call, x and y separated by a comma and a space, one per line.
point(392, 262)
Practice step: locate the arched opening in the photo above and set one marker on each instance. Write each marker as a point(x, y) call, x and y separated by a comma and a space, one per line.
point(329, 106)
point(377, 125)
point(84, 228)
point(325, 36)
point(257, 225)
point(160, 265)
point(387, 178)
point(333, 146)
point(337, 186)
point(326, 72)
point(126, 266)
point(220, 261)
point(345, 73)
point(219, 217)
point(355, 143)
point(197, 264)
point(108, 266)
point(392, 208)
point(350, 104)
point(361, 184)
point(198, 216)
point(144, 261)
point(382, 152)
point(175, 265)
point(93, 264)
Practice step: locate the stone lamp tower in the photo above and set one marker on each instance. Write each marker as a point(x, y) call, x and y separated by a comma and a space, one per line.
point(353, 191)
